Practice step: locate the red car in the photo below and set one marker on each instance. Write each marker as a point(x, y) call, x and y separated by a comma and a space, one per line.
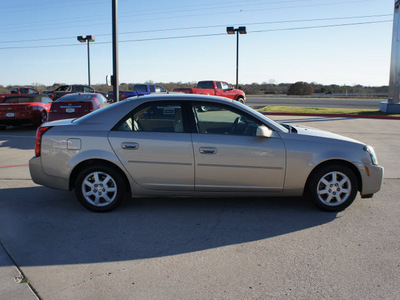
point(24, 109)
point(76, 105)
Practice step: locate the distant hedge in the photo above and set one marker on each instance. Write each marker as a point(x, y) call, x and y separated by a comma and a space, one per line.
point(301, 89)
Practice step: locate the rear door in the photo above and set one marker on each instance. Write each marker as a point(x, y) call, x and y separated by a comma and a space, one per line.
point(155, 146)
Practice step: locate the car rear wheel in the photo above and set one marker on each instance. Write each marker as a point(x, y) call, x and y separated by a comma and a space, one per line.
point(100, 188)
point(333, 187)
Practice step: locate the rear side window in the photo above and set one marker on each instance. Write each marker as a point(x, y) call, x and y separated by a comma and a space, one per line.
point(88, 89)
point(205, 85)
point(154, 117)
point(140, 88)
point(46, 100)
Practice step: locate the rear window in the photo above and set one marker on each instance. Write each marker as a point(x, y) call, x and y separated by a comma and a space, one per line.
point(82, 97)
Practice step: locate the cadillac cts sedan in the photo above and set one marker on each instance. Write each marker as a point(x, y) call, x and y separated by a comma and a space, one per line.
point(169, 145)
point(76, 105)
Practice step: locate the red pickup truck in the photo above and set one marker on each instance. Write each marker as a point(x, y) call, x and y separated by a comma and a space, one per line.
point(216, 88)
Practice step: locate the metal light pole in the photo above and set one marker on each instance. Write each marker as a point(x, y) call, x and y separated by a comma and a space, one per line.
point(392, 105)
point(239, 30)
point(83, 39)
point(115, 77)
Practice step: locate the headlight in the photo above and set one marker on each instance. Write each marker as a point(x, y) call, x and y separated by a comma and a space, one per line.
point(372, 154)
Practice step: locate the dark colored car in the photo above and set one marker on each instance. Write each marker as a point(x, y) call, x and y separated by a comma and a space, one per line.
point(20, 91)
point(68, 89)
point(76, 105)
point(24, 109)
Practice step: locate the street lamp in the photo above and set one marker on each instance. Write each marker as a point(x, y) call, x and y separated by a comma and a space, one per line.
point(239, 30)
point(82, 39)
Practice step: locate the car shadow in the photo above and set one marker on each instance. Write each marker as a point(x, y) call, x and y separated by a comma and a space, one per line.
point(41, 226)
point(18, 137)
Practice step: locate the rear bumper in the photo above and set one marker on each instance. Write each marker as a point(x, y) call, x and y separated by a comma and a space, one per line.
point(21, 118)
point(40, 177)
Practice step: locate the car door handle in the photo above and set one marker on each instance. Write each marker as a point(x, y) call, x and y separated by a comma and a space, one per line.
point(130, 146)
point(208, 150)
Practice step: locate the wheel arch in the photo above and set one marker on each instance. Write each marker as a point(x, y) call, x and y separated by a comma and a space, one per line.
point(94, 162)
point(347, 164)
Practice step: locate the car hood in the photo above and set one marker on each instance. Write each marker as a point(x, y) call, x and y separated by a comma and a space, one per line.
point(309, 131)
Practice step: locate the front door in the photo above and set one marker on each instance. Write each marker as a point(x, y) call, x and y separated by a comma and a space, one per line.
point(230, 157)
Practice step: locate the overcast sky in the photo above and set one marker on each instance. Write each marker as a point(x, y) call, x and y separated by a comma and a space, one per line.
point(330, 41)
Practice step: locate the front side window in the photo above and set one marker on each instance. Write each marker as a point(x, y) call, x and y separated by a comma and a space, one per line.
point(226, 86)
point(222, 119)
point(160, 89)
point(154, 117)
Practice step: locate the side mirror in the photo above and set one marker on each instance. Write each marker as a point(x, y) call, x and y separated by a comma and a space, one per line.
point(264, 131)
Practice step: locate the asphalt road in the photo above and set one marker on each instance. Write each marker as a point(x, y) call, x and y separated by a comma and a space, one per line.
point(249, 248)
point(257, 102)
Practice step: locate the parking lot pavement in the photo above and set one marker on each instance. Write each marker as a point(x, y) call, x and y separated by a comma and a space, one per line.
point(249, 248)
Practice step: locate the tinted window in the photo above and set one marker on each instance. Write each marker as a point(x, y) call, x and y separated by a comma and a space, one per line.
point(22, 100)
point(64, 88)
point(151, 88)
point(222, 119)
point(205, 85)
point(154, 117)
point(88, 89)
point(219, 85)
point(140, 88)
point(33, 92)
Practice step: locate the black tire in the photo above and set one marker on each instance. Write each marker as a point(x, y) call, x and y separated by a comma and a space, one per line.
point(333, 187)
point(100, 188)
point(241, 100)
point(43, 117)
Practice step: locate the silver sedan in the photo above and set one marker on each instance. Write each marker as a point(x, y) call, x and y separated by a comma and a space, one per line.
point(191, 145)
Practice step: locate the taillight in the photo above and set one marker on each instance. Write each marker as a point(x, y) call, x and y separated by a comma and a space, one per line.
point(39, 134)
point(123, 96)
point(53, 95)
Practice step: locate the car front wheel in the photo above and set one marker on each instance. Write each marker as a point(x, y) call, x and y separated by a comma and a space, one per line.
point(333, 187)
point(99, 188)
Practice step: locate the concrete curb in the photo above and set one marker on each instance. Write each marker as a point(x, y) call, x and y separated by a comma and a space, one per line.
point(332, 115)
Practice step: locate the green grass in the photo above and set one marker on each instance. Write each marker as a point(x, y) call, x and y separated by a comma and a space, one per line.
point(321, 110)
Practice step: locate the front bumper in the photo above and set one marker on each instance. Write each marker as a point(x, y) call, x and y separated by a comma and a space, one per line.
point(372, 180)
